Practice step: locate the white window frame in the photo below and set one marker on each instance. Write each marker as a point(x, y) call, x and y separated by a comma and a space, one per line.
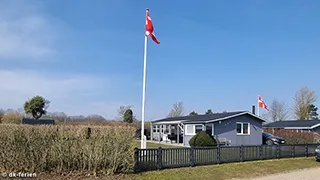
point(193, 129)
point(249, 127)
point(155, 128)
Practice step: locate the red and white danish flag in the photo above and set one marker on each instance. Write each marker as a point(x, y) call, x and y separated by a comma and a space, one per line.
point(150, 29)
point(261, 103)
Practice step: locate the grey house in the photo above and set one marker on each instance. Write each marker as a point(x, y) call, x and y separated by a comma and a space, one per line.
point(230, 128)
point(295, 125)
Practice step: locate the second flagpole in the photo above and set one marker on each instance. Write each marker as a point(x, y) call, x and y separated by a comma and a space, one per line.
point(143, 139)
point(258, 107)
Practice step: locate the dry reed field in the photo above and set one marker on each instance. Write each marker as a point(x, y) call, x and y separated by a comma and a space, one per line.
point(65, 149)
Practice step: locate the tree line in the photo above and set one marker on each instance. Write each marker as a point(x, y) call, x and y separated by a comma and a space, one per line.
point(37, 106)
point(304, 108)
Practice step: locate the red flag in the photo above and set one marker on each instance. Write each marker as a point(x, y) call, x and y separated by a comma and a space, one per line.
point(150, 29)
point(262, 104)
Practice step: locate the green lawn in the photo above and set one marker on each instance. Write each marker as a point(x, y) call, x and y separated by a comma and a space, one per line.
point(229, 171)
point(156, 145)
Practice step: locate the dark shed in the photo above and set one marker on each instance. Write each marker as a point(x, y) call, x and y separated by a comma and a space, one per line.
point(37, 121)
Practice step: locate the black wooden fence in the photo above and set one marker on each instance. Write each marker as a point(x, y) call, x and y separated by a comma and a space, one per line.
point(161, 158)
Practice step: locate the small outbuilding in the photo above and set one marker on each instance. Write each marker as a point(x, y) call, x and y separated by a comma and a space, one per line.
point(37, 121)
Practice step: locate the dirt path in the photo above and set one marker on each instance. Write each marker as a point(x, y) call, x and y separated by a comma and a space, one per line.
point(305, 174)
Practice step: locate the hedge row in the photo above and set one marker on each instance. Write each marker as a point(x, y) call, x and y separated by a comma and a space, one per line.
point(294, 137)
point(65, 149)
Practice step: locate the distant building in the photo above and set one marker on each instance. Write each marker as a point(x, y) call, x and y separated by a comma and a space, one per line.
point(294, 125)
point(37, 121)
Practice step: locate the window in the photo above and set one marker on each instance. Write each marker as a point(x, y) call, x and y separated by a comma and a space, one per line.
point(198, 128)
point(155, 128)
point(189, 130)
point(239, 128)
point(243, 128)
point(209, 129)
point(193, 129)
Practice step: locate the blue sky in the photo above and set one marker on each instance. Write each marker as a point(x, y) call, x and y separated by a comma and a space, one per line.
point(87, 57)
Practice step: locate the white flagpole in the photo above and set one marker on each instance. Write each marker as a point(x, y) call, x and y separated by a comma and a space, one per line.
point(143, 140)
point(258, 107)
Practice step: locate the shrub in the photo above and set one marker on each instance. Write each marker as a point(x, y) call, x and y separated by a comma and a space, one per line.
point(65, 149)
point(316, 138)
point(11, 118)
point(1, 115)
point(202, 138)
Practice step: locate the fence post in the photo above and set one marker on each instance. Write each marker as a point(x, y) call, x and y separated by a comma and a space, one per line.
point(88, 133)
point(293, 151)
point(192, 156)
point(159, 158)
point(306, 152)
point(278, 151)
point(136, 160)
point(241, 153)
point(218, 154)
point(261, 152)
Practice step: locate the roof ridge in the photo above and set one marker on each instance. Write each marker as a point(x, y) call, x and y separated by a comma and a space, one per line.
point(212, 116)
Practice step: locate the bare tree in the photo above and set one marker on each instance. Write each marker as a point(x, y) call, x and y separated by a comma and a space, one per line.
point(177, 110)
point(302, 101)
point(278, 110)
point(266, 116)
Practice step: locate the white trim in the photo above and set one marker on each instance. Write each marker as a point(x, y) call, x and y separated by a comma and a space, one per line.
point(312, 127)
point(181, 127)
point(236, 115)
point(194, 129)
point(249, 127)
point(169, 122)
point(212, 129)
point(317, 125)
point(213, 120)
point(296, 128)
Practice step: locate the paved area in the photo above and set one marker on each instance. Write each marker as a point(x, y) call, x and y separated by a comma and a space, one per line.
point(305, 174)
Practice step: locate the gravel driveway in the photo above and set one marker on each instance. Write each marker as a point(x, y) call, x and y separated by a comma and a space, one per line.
point(305, 174)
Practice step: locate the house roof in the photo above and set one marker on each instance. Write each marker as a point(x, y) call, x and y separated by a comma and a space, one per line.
point(294, 124)
point(203, 118)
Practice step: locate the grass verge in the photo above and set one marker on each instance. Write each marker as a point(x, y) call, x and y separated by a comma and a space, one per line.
point(217, 172)
point(232, 170)
point(156, 145)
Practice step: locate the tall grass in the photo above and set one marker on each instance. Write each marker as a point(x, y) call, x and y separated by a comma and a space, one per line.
point(65, 149)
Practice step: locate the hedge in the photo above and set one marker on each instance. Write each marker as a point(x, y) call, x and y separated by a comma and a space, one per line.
point(65, 149)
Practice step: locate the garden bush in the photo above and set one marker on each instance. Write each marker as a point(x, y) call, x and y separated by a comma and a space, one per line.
point(202, 138)
point(65, 149)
